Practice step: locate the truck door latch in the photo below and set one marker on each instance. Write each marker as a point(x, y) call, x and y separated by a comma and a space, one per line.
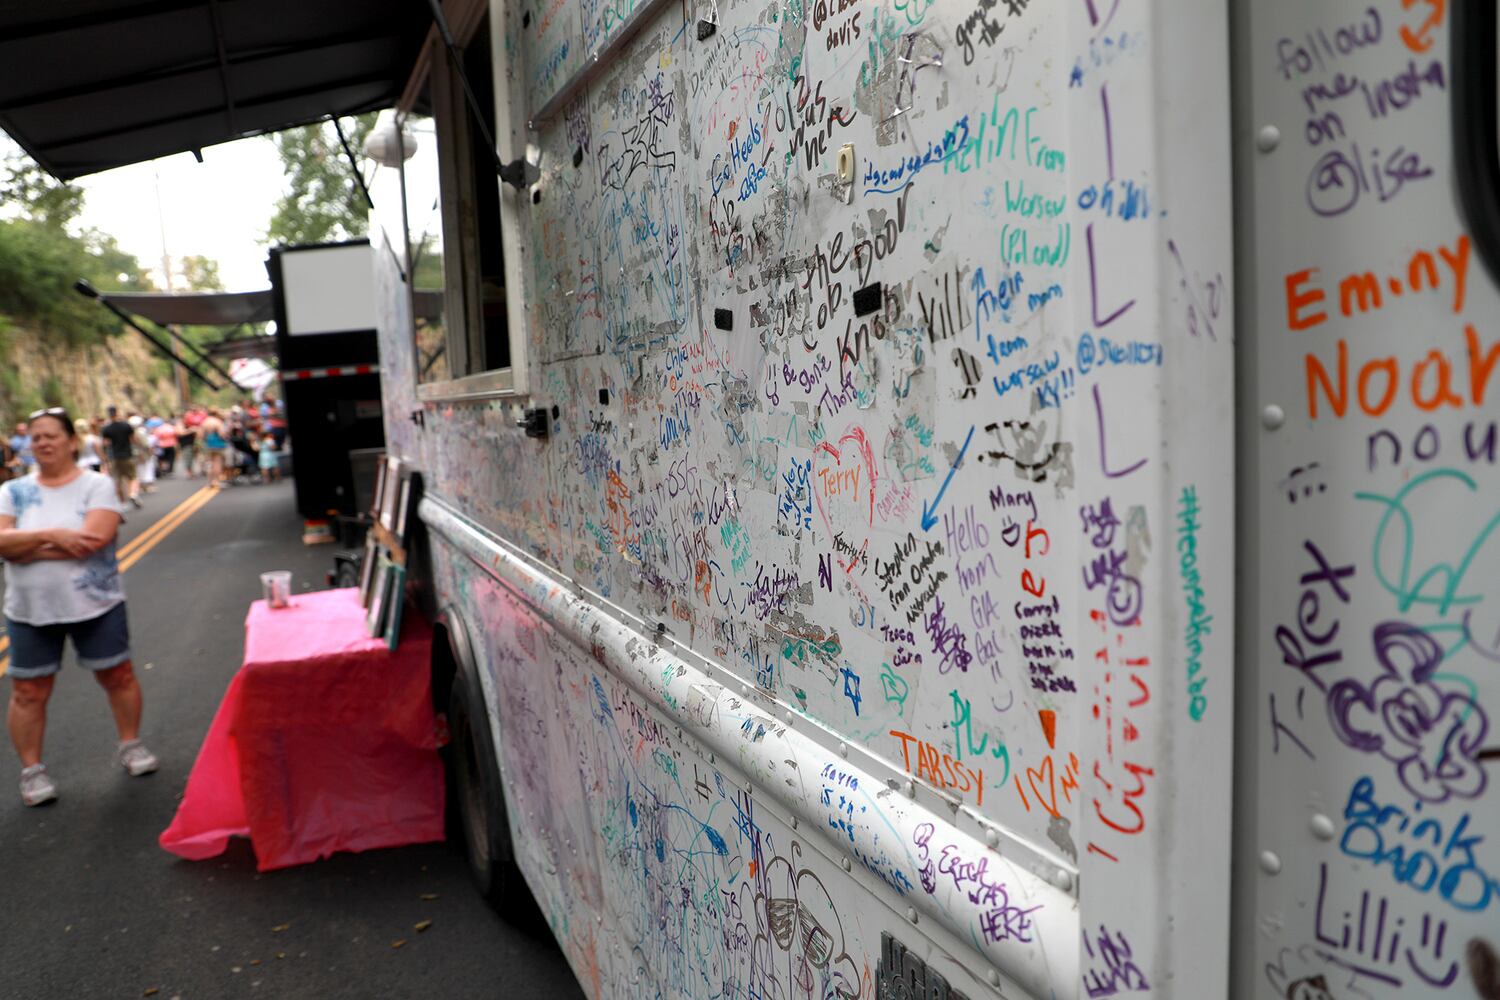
point(533, 422)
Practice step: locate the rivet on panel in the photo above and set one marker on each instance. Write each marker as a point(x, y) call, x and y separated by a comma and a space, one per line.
point(1322, 826)
point(1272, 417)
point(992, 837)
point(848, 865)
point(789, 716)
point(844, 750)
point(1062, 879)
point(995, 977)
point(794, 822)
point(911, 914)
point(1268, 138)
point(1270, 863)
point(910, 790)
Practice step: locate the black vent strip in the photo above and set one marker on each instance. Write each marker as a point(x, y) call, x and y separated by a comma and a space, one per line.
point(724, 319)
point(867, 299)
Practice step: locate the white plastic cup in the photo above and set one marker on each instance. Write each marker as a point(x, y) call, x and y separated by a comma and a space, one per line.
point(276, 588)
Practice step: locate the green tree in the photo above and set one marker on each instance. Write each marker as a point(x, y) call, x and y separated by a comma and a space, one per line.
point(42, 255)
point(37, 195)
point(40, 259)
point(323, 201)
point(200, 274)
point(38, 266)
point(114, 270)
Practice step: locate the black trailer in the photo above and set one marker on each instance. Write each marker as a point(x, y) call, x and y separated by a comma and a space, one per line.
point(322, 298)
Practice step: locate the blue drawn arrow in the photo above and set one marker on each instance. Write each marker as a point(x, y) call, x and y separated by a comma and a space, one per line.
point(928, 520)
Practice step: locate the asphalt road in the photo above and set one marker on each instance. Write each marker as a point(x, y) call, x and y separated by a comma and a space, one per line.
point(90, 906)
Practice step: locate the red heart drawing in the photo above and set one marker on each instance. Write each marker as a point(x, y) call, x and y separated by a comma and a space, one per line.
point(1048, 802)
point(1047, 778)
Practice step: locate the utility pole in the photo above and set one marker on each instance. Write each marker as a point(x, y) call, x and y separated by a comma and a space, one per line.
point(183, 393)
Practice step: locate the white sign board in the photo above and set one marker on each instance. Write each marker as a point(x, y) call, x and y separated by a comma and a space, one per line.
point(328, 289)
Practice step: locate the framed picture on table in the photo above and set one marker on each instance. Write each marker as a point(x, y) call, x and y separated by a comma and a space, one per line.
point(390, 493)
point(367, 569)
point(410, 495)
point(395, 601)
point(380, 598)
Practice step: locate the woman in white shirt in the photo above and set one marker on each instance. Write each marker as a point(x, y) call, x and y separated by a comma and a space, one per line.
point(145, 456)
point(90, 446)
point(57, 536)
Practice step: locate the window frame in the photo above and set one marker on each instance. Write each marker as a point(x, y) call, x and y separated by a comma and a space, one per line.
point(457, 180)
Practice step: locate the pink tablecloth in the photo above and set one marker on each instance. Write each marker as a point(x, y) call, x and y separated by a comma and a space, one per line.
point(324, 741)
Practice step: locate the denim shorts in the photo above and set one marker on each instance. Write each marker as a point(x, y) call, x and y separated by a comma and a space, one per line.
point(101, 643)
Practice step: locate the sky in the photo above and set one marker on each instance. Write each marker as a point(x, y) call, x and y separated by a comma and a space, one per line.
point(219, 208)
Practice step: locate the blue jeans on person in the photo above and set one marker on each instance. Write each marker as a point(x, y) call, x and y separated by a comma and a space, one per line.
point(101, 643)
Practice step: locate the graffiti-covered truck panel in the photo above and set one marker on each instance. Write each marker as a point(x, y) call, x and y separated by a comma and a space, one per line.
point(843, 542)
point(1370, 558)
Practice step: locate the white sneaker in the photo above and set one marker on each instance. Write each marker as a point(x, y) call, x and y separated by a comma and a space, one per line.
point(36, 785)
point(136, 759)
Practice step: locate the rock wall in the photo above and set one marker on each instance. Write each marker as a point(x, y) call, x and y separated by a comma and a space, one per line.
point(124, 371)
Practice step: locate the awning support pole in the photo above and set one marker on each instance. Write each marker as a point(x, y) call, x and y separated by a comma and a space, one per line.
point(353, 162)
point(89, 291)
point(190, 346)
point(183, 340)
point(514, 173)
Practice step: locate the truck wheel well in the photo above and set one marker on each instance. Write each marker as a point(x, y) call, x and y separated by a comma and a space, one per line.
point(444, 665)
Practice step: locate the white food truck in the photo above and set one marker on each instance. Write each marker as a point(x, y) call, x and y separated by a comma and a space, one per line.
point(965, 499)
point(979, 498)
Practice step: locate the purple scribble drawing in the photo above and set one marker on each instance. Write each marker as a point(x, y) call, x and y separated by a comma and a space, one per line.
point(1432, 736)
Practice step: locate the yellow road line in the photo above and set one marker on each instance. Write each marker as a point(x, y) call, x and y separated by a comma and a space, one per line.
point(138, 548)
point(161, 524)
point(140, 551)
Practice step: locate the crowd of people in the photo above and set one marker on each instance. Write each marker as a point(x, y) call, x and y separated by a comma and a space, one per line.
point(238, 444)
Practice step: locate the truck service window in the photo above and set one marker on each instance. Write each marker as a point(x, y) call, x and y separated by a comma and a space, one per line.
point(494, 348)
point(424, 227)
point(453, 219)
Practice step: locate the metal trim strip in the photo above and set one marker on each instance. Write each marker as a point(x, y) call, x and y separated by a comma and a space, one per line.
point(597, 62)
point(683, 692)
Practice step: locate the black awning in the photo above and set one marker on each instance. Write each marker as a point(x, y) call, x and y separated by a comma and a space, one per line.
point(87, 85)
point(197, 308)
point(243, 347)
point(232, 308)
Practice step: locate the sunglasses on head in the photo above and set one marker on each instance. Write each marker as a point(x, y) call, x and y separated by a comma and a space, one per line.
point(48, 411)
